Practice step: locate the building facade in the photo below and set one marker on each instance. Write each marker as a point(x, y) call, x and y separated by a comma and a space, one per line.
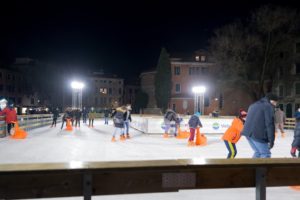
point(130, 92)
point(103, 91)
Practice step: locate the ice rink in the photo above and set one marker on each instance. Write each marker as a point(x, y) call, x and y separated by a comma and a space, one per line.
point(47, 144)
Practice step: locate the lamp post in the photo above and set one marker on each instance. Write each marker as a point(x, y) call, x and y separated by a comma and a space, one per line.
point(199, 98)
point(77, 94)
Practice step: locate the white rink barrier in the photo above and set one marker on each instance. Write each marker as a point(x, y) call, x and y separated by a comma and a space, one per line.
point(155, 124)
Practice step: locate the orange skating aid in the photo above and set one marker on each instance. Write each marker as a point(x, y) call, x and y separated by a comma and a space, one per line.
point(200, 138)
point(182, 134)
point(19, 133)
point(295, 187)
point(69, 126)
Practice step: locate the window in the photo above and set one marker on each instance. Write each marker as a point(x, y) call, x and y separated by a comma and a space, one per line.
point(110, 91)
point(109, 100)
point(120, 91)
point(103, 90)
point(204, 70)
point(177, 87)
point(206, 101)
point(104, 81)
point(297, 68)
point(298, 47)
point(176, 70)
point(120, 82)
point(297, 89)
point(203, 58)
point(96, 81)
point(190, 71)
point(32, 101)
point(104, 100)
point(110, 82)
point(174, 106)
point(197, 58)
point(8, 76)
point(280, 72)
point(281, 91)
point(96, 101)
point(221, 101)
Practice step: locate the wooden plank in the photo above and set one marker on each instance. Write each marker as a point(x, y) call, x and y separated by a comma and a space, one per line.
point(125, 177)
point(40, 184)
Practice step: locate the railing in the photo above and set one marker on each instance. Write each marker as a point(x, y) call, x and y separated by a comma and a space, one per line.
point(125, 177)
point(29, 122)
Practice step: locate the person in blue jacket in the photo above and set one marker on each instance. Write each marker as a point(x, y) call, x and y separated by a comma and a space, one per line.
point(259, 128)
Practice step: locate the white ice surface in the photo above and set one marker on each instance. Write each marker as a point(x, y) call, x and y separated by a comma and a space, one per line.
point(93, 144)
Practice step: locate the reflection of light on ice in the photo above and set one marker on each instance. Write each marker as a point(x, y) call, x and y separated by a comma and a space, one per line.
point(198, 161)
point(75, 164)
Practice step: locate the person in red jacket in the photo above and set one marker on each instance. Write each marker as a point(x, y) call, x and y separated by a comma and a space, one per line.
point(10, 116)
point(233, 133)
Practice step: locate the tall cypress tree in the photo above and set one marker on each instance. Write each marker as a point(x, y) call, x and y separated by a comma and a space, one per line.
point(163, 82)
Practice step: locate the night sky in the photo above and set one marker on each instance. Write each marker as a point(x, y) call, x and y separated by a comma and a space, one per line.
point(115, 36)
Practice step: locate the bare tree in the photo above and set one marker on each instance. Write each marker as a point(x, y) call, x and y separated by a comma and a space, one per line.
point(251, 53)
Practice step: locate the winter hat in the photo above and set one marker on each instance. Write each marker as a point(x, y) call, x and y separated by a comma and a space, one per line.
point(242, 113)
point(197, 114)
point(272, 96)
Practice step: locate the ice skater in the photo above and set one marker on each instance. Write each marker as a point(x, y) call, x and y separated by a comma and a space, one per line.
point(233, 133)
point(106, 116)
point(77, 117)
point(170, 118)
point(194, 122)
point(296, 141)
point(118, 119)
point(279, 121)
point(54, 117)
point(92, 115)
point(127, 120)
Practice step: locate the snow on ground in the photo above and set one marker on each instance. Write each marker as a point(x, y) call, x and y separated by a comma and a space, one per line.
point(93, 144)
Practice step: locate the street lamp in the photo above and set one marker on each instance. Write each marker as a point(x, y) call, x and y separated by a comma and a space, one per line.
point(199, 92)
point(77, 94)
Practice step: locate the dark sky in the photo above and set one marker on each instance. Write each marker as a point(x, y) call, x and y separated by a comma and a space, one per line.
point(122, 37)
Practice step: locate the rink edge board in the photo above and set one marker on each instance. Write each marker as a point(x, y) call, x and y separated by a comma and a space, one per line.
point(126, 177)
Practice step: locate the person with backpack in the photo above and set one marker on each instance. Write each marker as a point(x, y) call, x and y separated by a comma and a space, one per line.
point(170, 118)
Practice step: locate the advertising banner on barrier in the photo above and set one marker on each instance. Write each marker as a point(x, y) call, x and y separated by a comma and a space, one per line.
point(156, 124)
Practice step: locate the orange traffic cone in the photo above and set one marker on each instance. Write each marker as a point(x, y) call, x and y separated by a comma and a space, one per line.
point(69, 126)
point(200, 138)
point(19, 133)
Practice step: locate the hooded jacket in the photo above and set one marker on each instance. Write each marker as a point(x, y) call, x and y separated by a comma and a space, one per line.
point(260, 122)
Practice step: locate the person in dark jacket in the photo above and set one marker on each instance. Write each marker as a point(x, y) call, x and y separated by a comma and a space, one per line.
point(118, 119)
point(296, 141)
point(259, 128)
point(194, 122)
point(84, 115)
point(169, 118)
point(55, 116)
point(127, 120)
point(10, 116)
point(77, 117)
point(106, 115)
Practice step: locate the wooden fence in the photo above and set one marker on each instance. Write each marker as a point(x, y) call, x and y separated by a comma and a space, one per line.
point(86, 179)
